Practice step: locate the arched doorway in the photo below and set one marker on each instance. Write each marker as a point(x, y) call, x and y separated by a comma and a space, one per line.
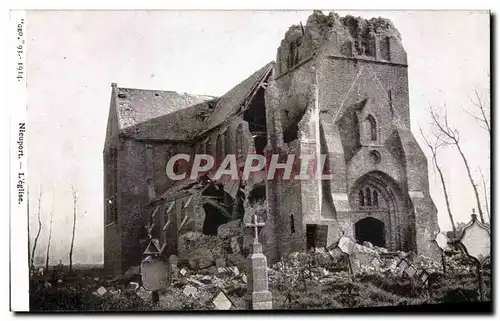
point(372, 230)
point(377, 197)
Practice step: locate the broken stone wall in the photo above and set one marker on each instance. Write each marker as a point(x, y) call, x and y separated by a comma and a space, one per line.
point(295, 92)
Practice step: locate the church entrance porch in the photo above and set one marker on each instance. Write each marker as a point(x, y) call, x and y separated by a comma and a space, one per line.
point(370, 230)
point(378, 205)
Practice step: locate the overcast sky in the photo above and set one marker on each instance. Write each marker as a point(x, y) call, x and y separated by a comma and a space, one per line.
point(73, 56)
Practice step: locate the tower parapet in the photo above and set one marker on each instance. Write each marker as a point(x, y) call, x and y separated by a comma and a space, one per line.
point(350, 37)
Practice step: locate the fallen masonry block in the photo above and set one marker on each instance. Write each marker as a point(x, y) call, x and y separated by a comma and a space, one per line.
point(143, 294)
point(206, 279)
point(221, 301)
point(101, 291)
point(194, 281)
point(234, 270)
point(190, 290)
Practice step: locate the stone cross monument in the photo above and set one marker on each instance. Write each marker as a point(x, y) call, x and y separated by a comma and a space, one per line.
point(258, 296)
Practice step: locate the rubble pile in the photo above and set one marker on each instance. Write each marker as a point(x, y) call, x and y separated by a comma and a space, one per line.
point(198, 251)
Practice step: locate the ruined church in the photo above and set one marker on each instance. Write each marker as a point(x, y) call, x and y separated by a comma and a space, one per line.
point(338, 87)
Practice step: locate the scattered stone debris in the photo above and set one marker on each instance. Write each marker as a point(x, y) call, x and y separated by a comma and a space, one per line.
point(220, 262)
point(235, 270)
point(134, 286)
point(143, 294)
point(194, 281)
point(200, 259)
point(368, 244)
point(189, 290)
point(324, 272)
point(183, 272)
point(221, 301)
point(101, 291)
point(230, 229)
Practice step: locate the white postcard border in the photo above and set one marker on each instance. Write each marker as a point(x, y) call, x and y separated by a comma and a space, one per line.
point(19, 248)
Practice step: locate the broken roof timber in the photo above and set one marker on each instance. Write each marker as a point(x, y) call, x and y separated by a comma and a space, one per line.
point(237, 98)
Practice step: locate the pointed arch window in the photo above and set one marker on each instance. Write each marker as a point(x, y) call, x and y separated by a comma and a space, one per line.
point(368, 197)
point(371, 128)
point(361, 197)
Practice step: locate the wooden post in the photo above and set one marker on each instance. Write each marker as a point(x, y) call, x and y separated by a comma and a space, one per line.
point(480, 281)
point(429, 289)
point(155, 297)
point(443, 262)
point(350, 273)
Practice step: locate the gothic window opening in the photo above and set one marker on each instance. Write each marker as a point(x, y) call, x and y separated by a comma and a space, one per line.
point(375, 198)
point(371, 128)
point(292, 224)
point(361, 196)
point(368, 197)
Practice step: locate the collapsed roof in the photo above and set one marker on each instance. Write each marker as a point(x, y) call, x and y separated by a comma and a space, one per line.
point(170, 116)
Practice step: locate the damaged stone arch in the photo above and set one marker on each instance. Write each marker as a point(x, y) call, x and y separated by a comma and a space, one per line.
point(376, 195)
point(255, 116)
point(220, 207)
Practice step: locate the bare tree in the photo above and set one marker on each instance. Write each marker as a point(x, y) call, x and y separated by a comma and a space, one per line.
point(47, 254)
point(485, 196)
point(32, 262)
point(74, 194)
point(434, 149)
point(483, 107)
point(450, 136)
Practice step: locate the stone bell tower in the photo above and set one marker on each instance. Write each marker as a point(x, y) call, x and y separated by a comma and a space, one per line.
point(343, 88)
